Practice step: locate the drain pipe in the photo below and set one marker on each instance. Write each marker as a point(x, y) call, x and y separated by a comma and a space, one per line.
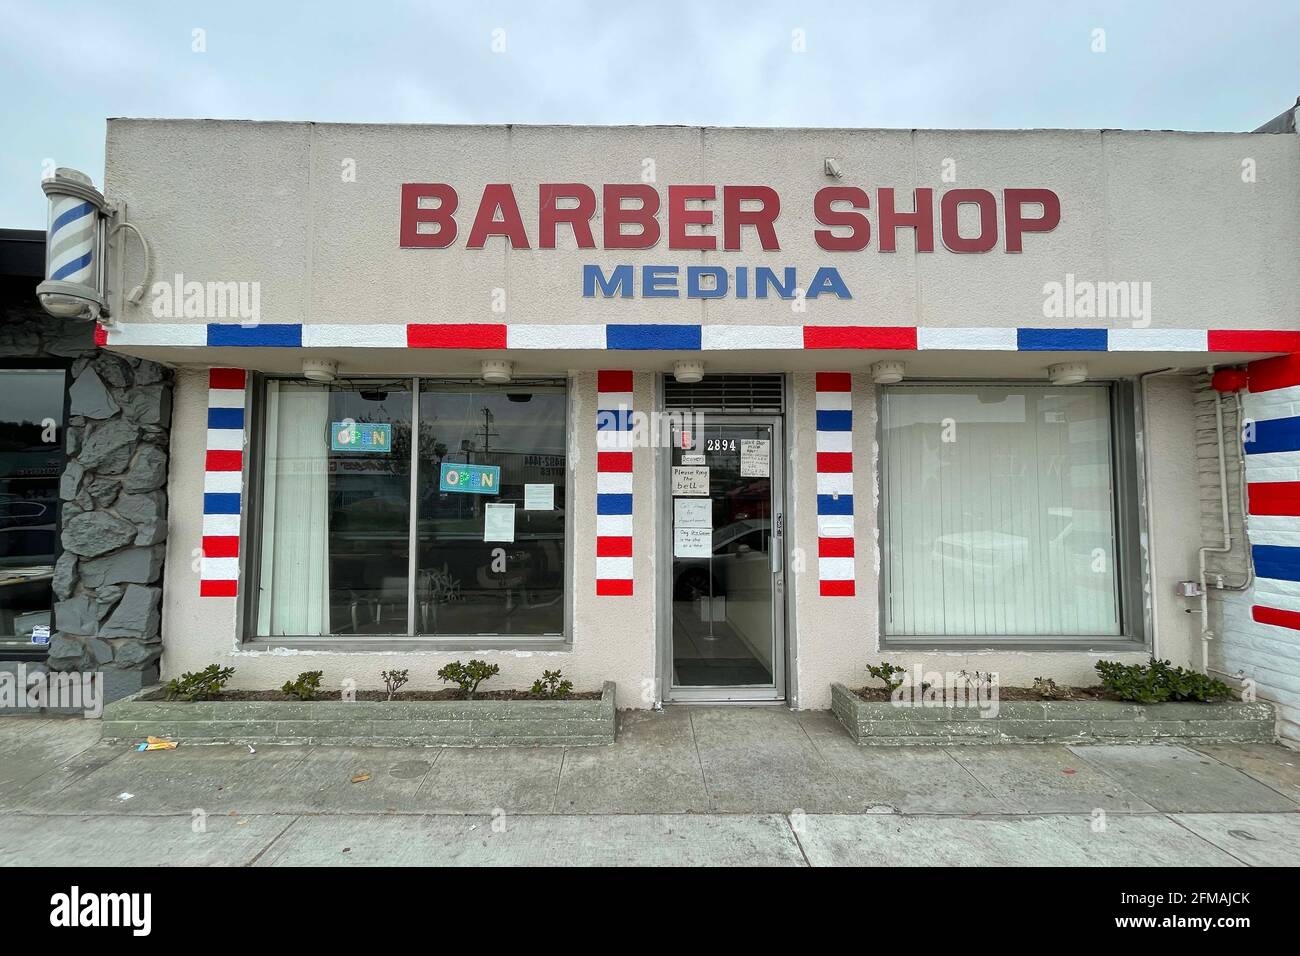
point(1146, 486)
point(1206, 634)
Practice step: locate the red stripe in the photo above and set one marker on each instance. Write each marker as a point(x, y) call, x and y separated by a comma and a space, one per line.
point(613, 381)
point(613, 587)
point(859, 337)
point(1274, 497)
point(1253, 340)
point(608, 461)
point(1272, 615)
point(227, 378)
point(1280, 372)
point(221, 546)
point(613, 546)
point(453, 335)
point(225, 461)
point(834, 547)
point(101, 335)
point(837, 588)
point(834, 462)
point(834, 381)
point(218, 588)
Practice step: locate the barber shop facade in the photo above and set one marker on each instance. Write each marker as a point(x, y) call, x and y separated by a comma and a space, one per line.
point(715, 414)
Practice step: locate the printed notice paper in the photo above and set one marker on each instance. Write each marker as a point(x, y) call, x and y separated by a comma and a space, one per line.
point(754, 458)
point(498, 522)
point(690, 481)
point(692, 513)
point(539, 497)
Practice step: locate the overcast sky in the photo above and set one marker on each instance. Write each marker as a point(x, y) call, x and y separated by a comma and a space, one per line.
point(67, 66)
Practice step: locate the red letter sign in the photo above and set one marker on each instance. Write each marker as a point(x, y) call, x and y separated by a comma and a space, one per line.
point(1017, 224)
point(579, 217)
point(921, 218)
point(679, 217)
point(511, 224)
point(616, 216)
point(413, 214)
point(762, 219)
point(950, 208)
point(827, 215)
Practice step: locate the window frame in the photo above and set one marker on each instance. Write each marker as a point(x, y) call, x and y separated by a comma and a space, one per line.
point(1129, 514)
point(254, 512)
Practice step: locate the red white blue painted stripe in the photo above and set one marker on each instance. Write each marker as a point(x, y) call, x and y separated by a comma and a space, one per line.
point(1272, 412)
point(836, 569)
point(696, 338)
point(223, 474)
point(614, 483)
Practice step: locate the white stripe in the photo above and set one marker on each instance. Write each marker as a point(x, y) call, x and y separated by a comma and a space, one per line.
point(555, 337)
point(225, 398)
point(1157, 340)
point(835, 483)
point(1272, 523)
point(390, 336)
point(835, 441)
point(613, 441)
point(219, 569)
point(835, 569)
point(222, 482)
point(614, 526)
point(1272, 463)
point(1266, 406)
point(834, 526)
point(612, 401)
point(614, 483)
point(156, 333)
point(1266, 589)
point(996, 340)
point(617, 569)
point(834, 401)
point(225, 439)
point(1286, 538)
point(750, 337)
point(1282, 602)
point(220, 525)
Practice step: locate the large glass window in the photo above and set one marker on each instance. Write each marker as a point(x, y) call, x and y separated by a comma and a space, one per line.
point(999, 512)
point(337, 535)
point(31, 461)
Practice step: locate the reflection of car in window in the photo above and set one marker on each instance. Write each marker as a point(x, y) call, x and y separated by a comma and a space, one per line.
point(744, 540)
point(27, 528)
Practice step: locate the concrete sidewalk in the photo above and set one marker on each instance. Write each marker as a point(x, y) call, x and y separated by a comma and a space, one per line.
point(691, 786)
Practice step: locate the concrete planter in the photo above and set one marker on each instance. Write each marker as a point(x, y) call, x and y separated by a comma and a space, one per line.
point(1051, 721)
point(417, 723)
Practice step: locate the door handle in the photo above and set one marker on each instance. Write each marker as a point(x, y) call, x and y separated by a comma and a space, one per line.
point(777, 544)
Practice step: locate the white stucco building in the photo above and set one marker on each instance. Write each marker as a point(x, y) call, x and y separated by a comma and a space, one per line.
point(717, 413)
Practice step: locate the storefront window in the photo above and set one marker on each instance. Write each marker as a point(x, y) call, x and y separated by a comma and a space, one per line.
point(336, 528)
point(31, 461)
point(999, 512)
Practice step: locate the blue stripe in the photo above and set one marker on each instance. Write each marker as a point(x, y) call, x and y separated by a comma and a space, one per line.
point(1275, 434)
point(652, 337)
point(1061, 340)
point(68, 268)
point(221, 503)
point(835, 505)
point(613, 504)
point(835, 420)
point(614, 420)
point(283, 336)
point(1275, 561)
point(76, 212)
point(225, 418)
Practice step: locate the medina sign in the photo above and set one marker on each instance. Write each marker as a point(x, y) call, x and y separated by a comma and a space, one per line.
point(748, 213)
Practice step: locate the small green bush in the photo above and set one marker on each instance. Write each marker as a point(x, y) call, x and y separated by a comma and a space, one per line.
point(305, 687)
point(552, 686)
point(887, 673)
point(468, 676)
point(199, 685)
point(1158, 681)
point(393, 681)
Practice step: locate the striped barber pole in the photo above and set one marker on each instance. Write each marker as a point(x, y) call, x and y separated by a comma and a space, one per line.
point(1272, 411)
point(613, 483)
point(835, 564)
point(71, 240)
point(223, 483)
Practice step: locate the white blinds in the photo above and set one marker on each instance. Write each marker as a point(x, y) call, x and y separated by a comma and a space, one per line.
point(998, 511)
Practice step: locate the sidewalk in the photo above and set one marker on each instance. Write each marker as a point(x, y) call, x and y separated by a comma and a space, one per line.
point(692, 785)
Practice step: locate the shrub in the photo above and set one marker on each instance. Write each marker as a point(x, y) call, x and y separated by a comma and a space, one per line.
point(1158, 681)
point(552, 686)
point(305, 687)
point(393, 681)
point(1048, 689)
point(199, 685)
point(468, 676)
point(887, 673)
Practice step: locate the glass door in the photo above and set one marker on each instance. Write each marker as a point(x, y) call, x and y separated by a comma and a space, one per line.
point(727, 580)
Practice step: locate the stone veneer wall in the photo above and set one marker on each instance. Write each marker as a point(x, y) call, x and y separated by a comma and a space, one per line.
point(108, 580)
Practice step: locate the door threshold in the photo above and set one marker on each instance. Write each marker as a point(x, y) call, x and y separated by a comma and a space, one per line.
point(716, 701)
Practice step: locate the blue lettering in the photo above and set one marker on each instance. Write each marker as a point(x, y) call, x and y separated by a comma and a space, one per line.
point(620, 282)
point(828, 279)
point(659, 282)
point(765, 277)
point(695, 291)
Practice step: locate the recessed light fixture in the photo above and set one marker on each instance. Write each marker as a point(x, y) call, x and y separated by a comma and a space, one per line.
point(887, 373)
point(1067, 373)
point(497, 371)
point(688, 373)
point(315, 371)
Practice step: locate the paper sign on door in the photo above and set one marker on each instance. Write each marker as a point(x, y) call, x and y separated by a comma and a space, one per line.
point(754, 455)
point(692, 542)
point(693, 513)
point(690, 481)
